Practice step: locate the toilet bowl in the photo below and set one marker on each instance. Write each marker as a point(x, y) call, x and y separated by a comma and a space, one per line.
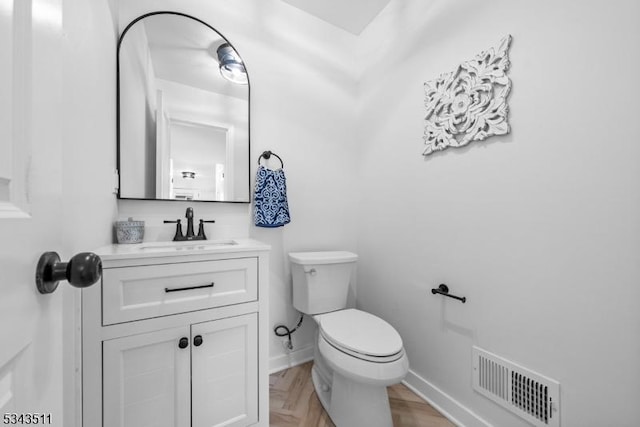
point(357, 355)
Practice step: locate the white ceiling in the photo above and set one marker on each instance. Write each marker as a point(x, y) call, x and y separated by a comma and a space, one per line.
point(184, 51)
point(350, 15)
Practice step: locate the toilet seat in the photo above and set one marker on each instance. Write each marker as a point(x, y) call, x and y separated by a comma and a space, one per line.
point(360, 370)
point(363, 356)
point(361, 335)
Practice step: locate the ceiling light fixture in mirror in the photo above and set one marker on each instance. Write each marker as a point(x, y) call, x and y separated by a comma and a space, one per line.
point(231, 66)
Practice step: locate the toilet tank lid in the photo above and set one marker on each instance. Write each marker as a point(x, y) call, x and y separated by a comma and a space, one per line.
point(322, 257)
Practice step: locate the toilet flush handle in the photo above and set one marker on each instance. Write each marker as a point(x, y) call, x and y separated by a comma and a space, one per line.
point(311, 271)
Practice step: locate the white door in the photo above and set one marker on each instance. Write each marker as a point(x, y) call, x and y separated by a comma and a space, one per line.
point(224, 372)
point(31, 348)
point(146, 379)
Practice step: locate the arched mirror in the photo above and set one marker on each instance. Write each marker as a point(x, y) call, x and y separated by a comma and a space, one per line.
point(183, 112)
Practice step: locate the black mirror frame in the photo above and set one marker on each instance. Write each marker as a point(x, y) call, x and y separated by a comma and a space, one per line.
point(124, 32)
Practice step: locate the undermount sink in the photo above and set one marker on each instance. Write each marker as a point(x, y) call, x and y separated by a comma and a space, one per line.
point(186, 246)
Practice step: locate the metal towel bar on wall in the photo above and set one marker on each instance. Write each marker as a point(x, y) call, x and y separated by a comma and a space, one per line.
point(444, 290)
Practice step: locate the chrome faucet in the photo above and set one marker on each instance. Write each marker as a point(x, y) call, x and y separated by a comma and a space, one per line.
point(179, 237)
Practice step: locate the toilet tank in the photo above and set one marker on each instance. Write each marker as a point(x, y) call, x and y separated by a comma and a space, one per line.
point(321, 280)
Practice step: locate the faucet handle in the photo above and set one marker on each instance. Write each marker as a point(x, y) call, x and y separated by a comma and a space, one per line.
point(178, 235)
point(201, 234)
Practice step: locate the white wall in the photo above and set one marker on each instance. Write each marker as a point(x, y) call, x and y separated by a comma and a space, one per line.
point(302, 74)
point(89, 124)
point(88, 160)
point(538, 229)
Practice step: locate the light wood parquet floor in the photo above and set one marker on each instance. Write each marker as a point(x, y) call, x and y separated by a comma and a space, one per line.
point(293, 403)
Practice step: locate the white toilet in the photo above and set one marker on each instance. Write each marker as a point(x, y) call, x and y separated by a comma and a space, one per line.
point(357, 354)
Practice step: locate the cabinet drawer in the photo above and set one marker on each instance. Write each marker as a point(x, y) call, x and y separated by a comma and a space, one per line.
point(142, 292)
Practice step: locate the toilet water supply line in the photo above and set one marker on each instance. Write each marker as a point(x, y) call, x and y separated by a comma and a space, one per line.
point(287, 332)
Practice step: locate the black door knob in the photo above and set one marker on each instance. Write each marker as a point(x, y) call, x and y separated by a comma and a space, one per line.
point(82, 270)
point(184, 342)
point(197, 340)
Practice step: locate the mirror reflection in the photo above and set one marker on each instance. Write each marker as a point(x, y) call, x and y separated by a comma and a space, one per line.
point(183, 112)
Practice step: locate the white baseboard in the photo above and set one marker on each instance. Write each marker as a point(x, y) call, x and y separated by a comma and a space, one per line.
point(289, 360)
point(453, 410)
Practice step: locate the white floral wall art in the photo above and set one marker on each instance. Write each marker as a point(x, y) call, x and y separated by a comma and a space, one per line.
point(470, 103)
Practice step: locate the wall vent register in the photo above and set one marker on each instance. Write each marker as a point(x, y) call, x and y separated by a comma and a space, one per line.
point(526, 393)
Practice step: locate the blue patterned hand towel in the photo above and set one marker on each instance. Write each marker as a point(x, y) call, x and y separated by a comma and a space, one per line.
point(271, 208)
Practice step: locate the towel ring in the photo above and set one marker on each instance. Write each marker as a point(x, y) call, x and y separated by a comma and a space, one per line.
point(267, 155)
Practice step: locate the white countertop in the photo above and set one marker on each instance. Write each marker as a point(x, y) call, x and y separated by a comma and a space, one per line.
point(168, 249)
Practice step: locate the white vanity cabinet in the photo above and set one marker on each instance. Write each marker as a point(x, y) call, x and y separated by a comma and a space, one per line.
point(177, 337)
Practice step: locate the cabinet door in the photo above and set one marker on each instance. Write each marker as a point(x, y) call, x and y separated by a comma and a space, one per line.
point(224, 375)
point(146, 380)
